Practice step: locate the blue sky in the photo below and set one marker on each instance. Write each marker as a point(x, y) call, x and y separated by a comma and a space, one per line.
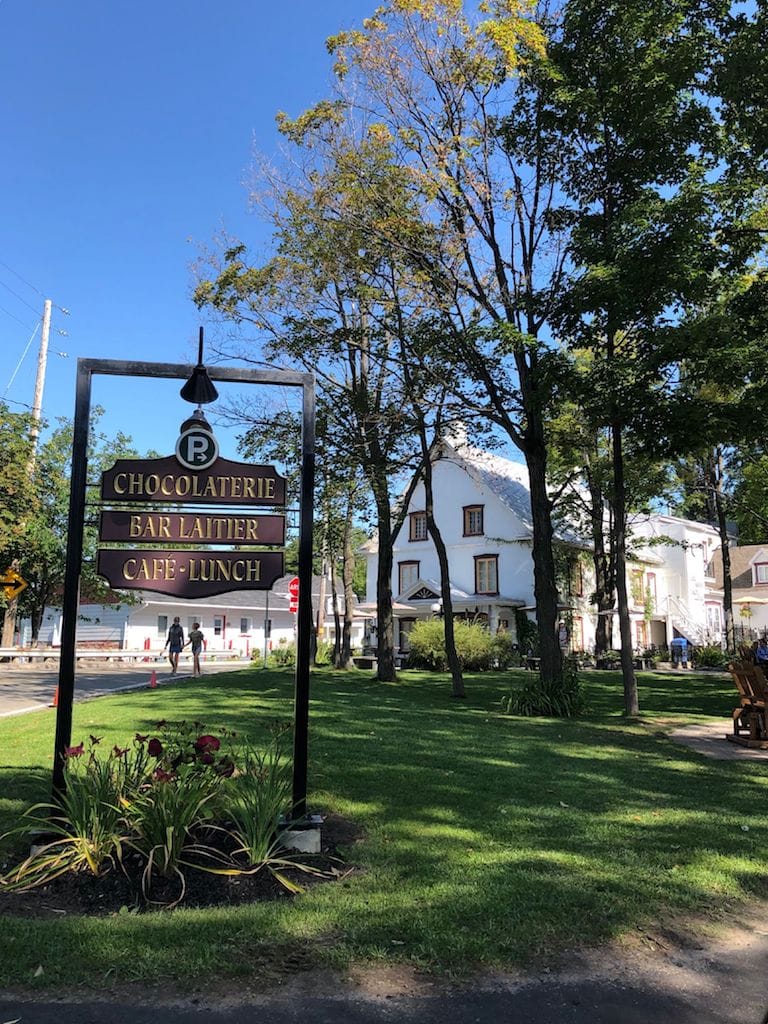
point(128, 130)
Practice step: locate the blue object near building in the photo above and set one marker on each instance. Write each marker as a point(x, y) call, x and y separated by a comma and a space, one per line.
point(679, 649)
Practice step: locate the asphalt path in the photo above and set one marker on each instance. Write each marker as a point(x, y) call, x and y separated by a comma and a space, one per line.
point(26, 688)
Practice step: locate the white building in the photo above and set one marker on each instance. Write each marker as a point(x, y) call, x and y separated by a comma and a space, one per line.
point(236, 623)
point(482, 508)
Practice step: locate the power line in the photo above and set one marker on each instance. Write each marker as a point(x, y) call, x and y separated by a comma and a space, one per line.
point(23, 280)
point(16, 294)
point(13, 316)
point(28, 284)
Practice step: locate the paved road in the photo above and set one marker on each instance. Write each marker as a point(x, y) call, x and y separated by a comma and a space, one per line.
point(29, 688)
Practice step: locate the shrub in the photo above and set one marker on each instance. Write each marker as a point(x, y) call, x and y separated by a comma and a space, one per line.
point(527, 634)
point(283, 656)
point(504, 651)
point(86, 824)
point(477, 650)
point(324, 655)
point(538, 699)
point(711, 656)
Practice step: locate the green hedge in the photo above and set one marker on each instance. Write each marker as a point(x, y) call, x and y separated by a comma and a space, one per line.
point(478, 651)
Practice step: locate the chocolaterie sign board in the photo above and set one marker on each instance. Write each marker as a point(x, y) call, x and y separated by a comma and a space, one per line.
point(194, 476)
point(166, 480)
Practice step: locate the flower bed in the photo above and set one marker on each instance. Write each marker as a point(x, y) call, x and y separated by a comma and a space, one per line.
point(184, 815)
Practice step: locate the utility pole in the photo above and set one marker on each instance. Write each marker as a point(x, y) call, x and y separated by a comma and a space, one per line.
point(12, 608)
point(42, 360)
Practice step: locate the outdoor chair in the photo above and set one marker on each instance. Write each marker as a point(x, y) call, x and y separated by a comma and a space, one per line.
point(750, 718)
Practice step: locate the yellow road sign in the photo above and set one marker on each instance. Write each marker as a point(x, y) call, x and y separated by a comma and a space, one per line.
point(12, 584)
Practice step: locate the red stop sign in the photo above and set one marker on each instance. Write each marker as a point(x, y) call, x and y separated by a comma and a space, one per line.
point(293, 588)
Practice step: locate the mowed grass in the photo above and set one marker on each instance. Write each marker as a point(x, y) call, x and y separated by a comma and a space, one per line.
point(489, 841)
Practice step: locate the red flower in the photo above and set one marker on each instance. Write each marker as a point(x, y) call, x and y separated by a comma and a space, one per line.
point(95, 740)
point(206, 757)
point(154, 747)
point(141, 739)
point(203, 743)
point(74, 751)
point(161, 775)
point(119, 751)
point(226, 767)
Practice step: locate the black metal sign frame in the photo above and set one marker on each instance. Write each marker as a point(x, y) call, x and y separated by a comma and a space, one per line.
point(86, 370)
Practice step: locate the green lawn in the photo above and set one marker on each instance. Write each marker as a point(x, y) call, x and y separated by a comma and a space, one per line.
point(489, 840)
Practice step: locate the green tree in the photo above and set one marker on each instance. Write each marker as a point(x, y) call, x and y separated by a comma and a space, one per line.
point(623, 90)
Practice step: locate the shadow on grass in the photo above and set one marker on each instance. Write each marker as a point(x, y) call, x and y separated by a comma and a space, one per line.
point(489, 839)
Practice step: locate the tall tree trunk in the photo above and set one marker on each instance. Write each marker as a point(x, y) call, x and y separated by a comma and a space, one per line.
point(348, 573)
point(603, 566)
point(631, 704)
point(336, 657)
point(715, 487)
point(544, 577)
point(384, 618)
point(454, 665)
point(321, 599)
point(11, 614)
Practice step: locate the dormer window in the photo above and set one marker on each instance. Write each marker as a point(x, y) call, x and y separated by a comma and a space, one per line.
point(761, 574)
point(473, 521)
point(418, 526)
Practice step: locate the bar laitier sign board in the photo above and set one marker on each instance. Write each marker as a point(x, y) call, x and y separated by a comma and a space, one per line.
point(191, 528)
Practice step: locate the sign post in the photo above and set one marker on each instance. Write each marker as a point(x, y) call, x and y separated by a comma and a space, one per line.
point(195, 474)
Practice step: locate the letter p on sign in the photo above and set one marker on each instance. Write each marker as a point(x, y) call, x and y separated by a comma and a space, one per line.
point(197, 449)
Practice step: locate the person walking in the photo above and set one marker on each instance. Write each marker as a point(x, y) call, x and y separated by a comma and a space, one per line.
point(196, 639)
point(174, 643)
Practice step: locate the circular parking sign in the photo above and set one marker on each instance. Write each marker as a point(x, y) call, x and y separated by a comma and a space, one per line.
point(197, 449)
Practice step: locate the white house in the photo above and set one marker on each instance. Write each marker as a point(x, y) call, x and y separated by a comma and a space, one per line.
point(237, 623)
point(483, 510)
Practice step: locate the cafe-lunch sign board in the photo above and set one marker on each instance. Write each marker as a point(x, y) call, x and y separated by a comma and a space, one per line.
point(195, 475)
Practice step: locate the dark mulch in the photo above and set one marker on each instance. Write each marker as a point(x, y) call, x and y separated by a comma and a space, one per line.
point(120, 891)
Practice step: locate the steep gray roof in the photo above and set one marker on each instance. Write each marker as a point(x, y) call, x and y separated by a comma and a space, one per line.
point(509, 482)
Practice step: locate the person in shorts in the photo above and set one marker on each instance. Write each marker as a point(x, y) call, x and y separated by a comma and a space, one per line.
point(174, 643)
point(196, 639)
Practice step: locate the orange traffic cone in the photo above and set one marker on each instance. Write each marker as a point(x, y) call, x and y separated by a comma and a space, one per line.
point(153, 680)
point(55, 703)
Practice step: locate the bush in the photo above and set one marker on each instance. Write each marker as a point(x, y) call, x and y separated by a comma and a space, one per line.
point(477, 650)
point(527, 634)
point(283, 656)
point(711, 656)
point(324, 654)
point(538, 699)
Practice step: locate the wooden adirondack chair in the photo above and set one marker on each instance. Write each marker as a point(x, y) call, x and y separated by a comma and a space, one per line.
point(750, 718)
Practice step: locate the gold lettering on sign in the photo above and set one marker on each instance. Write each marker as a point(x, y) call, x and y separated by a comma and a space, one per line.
point(216, 570)
point(149, 569)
